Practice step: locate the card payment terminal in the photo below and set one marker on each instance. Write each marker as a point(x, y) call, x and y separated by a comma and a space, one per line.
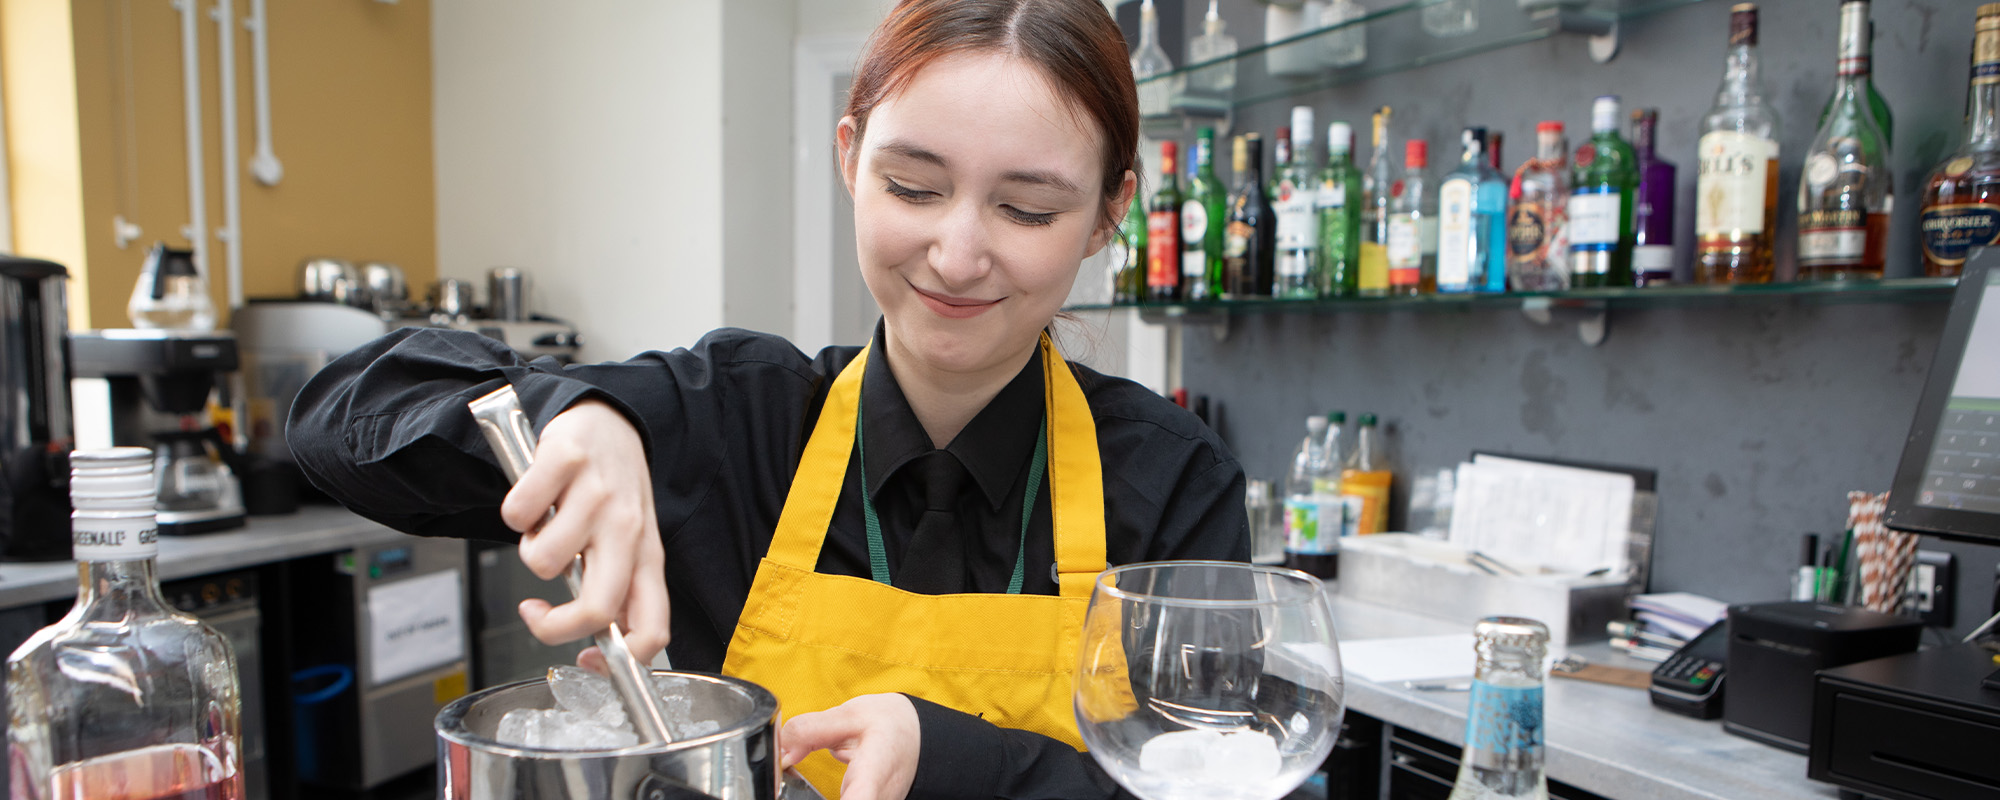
point(1689, 682)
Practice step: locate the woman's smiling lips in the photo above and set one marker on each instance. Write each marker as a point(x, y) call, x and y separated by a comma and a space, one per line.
point(953, 307)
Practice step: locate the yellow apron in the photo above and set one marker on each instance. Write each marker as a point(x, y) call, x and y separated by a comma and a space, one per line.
point(819, 640)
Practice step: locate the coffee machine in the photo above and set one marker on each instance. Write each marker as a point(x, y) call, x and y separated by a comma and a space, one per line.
point(35, 430)
point(159, 382)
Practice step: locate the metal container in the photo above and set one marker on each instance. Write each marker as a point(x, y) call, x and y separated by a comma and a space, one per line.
point(737, 762)
point(451, 298)
point(507, 294)
point(387, 289)
point(35, 425)
point(332, 280)
point(1407, 571)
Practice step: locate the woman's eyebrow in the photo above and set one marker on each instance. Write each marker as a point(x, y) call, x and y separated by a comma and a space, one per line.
point(915, 152)
point(1042, 178)
point(912, 151)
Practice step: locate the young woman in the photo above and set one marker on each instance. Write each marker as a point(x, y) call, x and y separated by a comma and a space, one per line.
point(898, 540)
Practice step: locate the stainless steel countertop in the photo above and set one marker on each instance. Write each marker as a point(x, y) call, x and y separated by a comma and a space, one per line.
point(313, 530)
point(1601, 738)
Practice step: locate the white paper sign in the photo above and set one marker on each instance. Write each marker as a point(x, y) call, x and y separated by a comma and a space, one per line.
point(414, 625)
point(1565, 519)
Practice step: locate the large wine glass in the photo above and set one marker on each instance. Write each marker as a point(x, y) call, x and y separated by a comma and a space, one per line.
point(1208, 679)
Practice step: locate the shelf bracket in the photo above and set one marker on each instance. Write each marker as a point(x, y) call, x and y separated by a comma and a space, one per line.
point(1601, 29)
point(1593, 319)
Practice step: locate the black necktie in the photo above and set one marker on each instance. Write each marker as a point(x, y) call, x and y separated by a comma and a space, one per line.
point(934, 561)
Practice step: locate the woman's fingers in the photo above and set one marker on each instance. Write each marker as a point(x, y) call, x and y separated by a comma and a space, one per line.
point(647, 610)
point(876, 735)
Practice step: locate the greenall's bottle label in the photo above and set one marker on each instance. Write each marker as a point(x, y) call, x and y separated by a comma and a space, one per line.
point(100, 539)
point(1949, 232)
point(1505, 719)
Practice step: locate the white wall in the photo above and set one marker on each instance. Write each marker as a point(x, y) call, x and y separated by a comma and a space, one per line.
point(757, 166)
point(579, 140)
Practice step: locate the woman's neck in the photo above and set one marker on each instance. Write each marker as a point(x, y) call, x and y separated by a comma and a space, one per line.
point(945, 401)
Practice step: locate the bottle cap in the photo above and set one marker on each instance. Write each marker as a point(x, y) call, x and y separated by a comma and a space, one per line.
point(1367, 420)
point(1549, 126)
point(1336, 417)
point(1604, 114)
point(1743, 24)
point(1284, 135)
point(1205, 133)
point(1316, 425)
point(1988, 10)
point(1302, 125)
point(1416, 154)
point(1340, 137)
point(1168, 149)
point(1518, 634)
point(1474, 136)
point(112, 491)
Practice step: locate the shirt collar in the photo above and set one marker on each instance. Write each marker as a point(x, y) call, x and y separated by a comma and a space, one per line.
point(994, 447)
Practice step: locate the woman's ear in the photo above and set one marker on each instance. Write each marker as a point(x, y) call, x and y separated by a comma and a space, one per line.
point(846, 137)
point(1114, 208)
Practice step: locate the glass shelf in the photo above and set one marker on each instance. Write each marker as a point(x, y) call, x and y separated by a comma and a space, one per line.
point(1397, 41)
point(1897, 290)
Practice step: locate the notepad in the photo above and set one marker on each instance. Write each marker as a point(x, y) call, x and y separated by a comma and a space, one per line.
point(1409, 658)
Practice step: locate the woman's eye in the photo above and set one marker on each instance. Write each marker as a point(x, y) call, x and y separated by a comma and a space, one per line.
point(1028, 217)
point(907, 193)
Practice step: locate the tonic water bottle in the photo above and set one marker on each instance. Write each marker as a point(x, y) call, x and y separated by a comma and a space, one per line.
point(1503, 727)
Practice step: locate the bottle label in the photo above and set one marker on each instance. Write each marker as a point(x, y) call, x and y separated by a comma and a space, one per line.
point(1729, 192)
point(1653, 258)
point(1368, 498)
point(115, 539)
point(1194, 224)
point(1313, 524)
point(1406, 255)
point(1163, 249)
point(1237, 241)
point(1505, 719)
point(1374, 272)
point(1593, 218)
point(1330, 195)
point(1831, 236)
point(1527, 232)
point(1454, 264)
point(1298, 226)
point(1949, 232)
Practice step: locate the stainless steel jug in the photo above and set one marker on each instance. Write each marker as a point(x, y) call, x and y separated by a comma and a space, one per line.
point(35, 427)
point(737, 762)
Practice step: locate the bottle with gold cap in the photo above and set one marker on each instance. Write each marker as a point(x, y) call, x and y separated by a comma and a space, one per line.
point(1736, 193)
point(1961, 208)
point(1503, 727)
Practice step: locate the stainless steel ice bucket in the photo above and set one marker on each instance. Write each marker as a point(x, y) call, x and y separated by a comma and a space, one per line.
point(737, 762)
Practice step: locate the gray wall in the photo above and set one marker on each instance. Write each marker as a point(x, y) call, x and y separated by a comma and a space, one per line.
point(1758, 417)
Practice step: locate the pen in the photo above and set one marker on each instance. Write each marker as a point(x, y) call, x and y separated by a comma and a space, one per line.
point(1438, 686)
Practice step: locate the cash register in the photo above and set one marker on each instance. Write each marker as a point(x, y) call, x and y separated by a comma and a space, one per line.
point(1927, 724)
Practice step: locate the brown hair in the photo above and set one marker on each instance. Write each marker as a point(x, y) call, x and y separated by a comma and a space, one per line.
point(1075, 43)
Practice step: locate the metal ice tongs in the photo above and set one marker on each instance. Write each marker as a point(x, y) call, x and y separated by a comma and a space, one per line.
point(513, 440)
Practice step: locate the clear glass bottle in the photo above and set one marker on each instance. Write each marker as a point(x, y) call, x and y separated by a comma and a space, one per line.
point(124, 698)
point(1411, 215)
point(1150, 63)
point(1365, 479)
point(1736, 193)
point(171, 293)
point(1292, 196)
point(1961, 208)
point(1163, 231)
point(1204, 215)
point(1466, 225)
point(1373, 280)
point(1338, 203)
point(1213, 44)
point(1349, 45)
point(1296, 59)
point(1313, 520)
point(1537, 215)
point(1601, 203)
point(1451, 18)
point(1846, 188)
point(1653, 217)
point(1504, 755)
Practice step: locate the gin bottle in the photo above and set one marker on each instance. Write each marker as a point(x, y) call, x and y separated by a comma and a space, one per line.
point(1470, 202)
point(1846, 188)
point(1961, 207)
point(1653, 217)
point(1736, 194)
point(1537, 216)
point(1411, 216)
point(1503, 755)
point(124, 698)
point(1338, 204)
point(1292, 195)
point(1600, 206)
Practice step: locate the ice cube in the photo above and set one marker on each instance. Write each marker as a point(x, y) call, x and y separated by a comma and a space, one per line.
point(676, 706)
point(515, 726)
point(1208, 756)
point(568, 730)
point(588, 694)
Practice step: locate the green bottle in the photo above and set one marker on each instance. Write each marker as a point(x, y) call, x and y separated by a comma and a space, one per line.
point(1601, 236)
point(1128, 282)
point(1857, 64)
point(1204, 216)
point(1338, 203)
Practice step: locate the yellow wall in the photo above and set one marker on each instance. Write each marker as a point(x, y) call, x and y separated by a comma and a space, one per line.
point(351, 120)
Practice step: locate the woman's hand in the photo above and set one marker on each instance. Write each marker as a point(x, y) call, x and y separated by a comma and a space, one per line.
point(875, 735)
point(591, 466)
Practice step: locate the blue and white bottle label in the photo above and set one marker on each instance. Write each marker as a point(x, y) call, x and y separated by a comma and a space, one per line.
point(1593, 219)
point(1504, 719)
point(99, 539)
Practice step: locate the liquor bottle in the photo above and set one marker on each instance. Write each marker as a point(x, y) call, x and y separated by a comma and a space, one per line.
point(1373, 280)
point(1250, 243)
point(1491, 202)
point(1365, 478)
point(1653, 219)
point(1128, 282)
point(1493, 140)
point(1151, 68)
point(1349, 45)
point(1338, 204)
point(1408, 213)
point(1736, 193)
point(1877, 107)
point(1298, 225)
point(1313, 518)
point(1468, 232)
point(1600, 205)
point(1961, 207)
point(124, 698)
point(1204, 214)
point(1503, 754)
point(1537, 216)
point(1212, 45)
point(1846, 188)
point(1163, 232)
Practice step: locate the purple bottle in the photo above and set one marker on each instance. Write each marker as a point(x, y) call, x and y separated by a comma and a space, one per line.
point(1653, 258)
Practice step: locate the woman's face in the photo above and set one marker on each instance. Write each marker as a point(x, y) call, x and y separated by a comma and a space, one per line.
point(976, 195)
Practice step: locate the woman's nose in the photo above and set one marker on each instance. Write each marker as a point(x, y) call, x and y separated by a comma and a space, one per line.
point(962, 252)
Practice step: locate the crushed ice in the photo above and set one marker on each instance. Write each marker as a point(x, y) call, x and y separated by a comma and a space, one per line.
point(588, 715)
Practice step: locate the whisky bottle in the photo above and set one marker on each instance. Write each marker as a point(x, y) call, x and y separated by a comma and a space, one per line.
point(1961, 208)
point(1845, 190)
point(1736, 193)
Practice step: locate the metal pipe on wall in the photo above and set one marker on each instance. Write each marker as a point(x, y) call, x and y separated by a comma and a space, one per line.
point(264, 164)
point(197, 233)
point(231, 232)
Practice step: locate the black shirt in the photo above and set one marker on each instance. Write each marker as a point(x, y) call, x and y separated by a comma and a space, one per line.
point(385, 430)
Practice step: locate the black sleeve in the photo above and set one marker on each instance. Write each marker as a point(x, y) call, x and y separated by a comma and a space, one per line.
point(1205, 518)
point(963, 757)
